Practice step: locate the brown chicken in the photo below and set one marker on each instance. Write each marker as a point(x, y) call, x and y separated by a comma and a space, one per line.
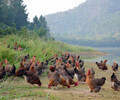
point(54, 78)
point(94, 83)
point(32, 78)
point(115, 83)
point(33, 60)
point(20, 70)
point(115, 66)
point(2, 70)
point(63, 82)
point(32, 69)
point(70, 80)
point(39, 68)
point(9, 70)
point(52, 68)
point(15, 47)
point(102, 65)
point(19, 48)
point(26, 64)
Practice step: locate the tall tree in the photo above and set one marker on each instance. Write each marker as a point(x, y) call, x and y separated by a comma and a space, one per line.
point(13, 12)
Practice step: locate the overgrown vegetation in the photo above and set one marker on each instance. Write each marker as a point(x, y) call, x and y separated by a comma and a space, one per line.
point(13, 18)
point(33, 45)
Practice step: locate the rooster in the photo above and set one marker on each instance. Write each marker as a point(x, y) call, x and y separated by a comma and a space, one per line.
point(115, 83)
point(9, 70)
point(115, 66)
point(102, 65)
point(94, 83)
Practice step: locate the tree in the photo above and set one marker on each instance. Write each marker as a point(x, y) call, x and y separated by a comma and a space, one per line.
point(13, 12)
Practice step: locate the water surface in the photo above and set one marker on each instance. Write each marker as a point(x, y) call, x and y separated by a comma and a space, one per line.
point(114, 55)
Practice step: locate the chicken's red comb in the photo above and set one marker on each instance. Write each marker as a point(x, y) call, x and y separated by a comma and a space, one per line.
point(76, 84)
point(88, 70)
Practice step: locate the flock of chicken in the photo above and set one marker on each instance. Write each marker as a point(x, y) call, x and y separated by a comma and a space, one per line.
point(16, 48)
point(61, 71)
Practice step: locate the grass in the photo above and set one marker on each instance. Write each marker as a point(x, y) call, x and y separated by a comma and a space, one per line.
point(34, 46)
point(17, 88)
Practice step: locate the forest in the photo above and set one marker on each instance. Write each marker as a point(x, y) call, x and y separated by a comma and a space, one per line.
point(14, 20)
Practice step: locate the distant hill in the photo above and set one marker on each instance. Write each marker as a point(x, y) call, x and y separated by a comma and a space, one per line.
point(90, 24)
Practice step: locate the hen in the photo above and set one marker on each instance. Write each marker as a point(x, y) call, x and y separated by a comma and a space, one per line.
point(102, 65)
point(32, 78)
point(9, 70)
point(94, 83)
point(20, 70)
point(115, 66)
point(115, 83)
point(54, 78)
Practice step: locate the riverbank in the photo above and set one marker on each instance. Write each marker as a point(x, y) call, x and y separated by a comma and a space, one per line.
point(91, 54)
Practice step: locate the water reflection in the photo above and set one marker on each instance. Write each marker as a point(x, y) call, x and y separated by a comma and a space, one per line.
point(114, 55)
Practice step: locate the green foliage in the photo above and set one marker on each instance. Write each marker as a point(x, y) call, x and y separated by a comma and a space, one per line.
point(34, 46)
point(13, 17)
point(39, 26)
point(13, 11)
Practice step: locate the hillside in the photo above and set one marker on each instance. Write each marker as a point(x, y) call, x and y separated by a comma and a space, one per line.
point(88, 24)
